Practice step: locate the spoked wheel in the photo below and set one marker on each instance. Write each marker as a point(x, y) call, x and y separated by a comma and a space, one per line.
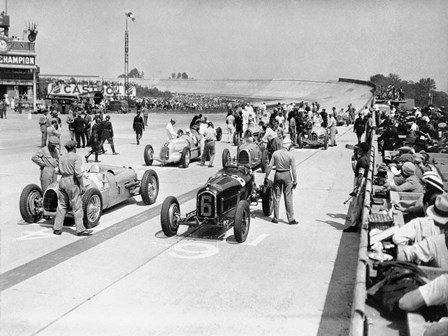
point(169, 216)
point(92, 205)
point(149, 155)
point(225, 157)
point(149, 187)
point(242, 221)
point(31, 203)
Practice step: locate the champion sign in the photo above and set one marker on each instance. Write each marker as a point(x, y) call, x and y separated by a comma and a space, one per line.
point(17, 60)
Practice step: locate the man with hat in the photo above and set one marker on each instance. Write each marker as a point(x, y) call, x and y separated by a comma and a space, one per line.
point(43, 121)
point(47, 159)
point(107, 133)
point(209, 145)
point(170, 132)
point(411, 182)
point(422, 227)
point(71, 186)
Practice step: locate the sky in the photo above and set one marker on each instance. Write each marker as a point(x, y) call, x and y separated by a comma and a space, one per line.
point(240, 39)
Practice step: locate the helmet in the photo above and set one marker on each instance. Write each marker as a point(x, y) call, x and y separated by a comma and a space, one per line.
point(94, 168)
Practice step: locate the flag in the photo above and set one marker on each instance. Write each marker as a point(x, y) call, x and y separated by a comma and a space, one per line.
point(130, 15)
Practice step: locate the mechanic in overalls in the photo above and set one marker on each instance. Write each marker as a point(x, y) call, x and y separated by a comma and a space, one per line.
point(285, 180)
point(71, 187)
point(47, 159)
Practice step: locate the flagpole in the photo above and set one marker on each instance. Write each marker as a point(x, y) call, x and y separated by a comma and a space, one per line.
point(126, 59)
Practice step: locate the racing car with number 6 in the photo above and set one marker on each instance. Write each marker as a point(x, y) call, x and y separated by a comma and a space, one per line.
point(223, 201)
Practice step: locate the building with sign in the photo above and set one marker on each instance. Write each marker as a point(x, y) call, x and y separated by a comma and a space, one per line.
point(18, 69)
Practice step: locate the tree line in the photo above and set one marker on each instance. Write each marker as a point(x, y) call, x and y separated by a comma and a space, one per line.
point(424, 92)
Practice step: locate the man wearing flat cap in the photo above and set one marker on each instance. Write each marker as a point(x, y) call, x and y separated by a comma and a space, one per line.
point(47, 158)
point(71, 187)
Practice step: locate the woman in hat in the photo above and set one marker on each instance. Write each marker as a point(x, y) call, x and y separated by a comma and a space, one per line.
point(422, 227)
point(411, 182)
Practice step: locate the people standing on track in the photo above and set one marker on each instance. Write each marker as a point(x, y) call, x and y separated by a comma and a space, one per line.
point(293, 128)
point(43, 119)
point(332, 129)
point(209, 145)
point(359, 127)
point(71, 187)
point(80, 131)
point(53, 130)
point(145, 113)
point(88, 126)
point(3, 107)
point(47, 158)
point(70, 122)
point(95, 139)
point(107, 133)
point(170, 132)
point(138, 126)
point(361, 171)
point(285, 181)
point(230, 121)
point(239, 126)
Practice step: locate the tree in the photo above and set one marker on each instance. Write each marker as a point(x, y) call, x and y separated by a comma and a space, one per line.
point(184, 75)
point(134, 73)
point(179, 75)
point(173, 75)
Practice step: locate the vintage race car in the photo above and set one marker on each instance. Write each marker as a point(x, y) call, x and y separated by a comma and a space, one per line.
point(249, 154)
point(223, 201)
point(105, 186)
point(316, 136)
point(253, 130)
point(183, 149)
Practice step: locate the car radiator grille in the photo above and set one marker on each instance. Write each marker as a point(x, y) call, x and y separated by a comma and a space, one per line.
point(243, 157)
point(50, 200)
point(313, 137)
point(206, 205)
point(165, 153)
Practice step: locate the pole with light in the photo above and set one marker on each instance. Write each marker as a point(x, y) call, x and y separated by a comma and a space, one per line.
point(129, 15)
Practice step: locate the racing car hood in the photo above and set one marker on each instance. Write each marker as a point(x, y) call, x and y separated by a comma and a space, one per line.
point(228, 179)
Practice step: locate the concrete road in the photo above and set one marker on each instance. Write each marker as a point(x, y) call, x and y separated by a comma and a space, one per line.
point(129, 279)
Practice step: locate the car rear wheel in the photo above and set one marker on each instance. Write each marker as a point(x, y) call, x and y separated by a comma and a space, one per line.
point(267, 200)
point(186, 157)
point(149, 155)
point(92, 206)
point(264, 160)
point(218, 134)
point(235, 139)
point(169, 216)
point(225, 157)
point(242, 221)
point(149, 187)
point(30, 203)
point(326, 140)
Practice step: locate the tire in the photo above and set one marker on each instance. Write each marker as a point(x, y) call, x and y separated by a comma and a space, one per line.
point(267, 200)
point(169, 216)
point(149, 187)
point(242, 221)
point(30, 203)
point(218, 134)
point(225, 157)
point(186, 157)
point(92, 206)
point(264, 160)
point(149, 155)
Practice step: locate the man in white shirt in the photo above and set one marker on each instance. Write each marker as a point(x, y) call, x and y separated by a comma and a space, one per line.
point(170, 133)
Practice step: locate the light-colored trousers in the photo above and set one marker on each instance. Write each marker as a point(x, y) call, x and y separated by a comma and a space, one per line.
point(283, 183)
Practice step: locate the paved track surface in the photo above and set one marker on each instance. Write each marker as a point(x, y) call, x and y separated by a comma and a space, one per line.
point(129, 279)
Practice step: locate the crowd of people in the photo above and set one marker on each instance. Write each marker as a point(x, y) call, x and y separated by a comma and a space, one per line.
point(188, 102)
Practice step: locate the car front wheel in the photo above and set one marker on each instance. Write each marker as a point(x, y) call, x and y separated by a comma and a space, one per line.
point(30, 203)
point(267, 200)
point(186, 157)
point(169, 216)
point(225, 157)
point(92, 206)
point(242, 221)
point(149, 155)
point(149, 187)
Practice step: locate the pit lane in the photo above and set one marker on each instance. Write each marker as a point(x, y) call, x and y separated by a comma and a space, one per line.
point(123, 262)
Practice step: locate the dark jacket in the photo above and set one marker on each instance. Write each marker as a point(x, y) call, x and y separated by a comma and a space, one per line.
point(79, 125)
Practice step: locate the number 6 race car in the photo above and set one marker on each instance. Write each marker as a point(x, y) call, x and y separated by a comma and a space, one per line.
point(223, 201)
point(105, 185)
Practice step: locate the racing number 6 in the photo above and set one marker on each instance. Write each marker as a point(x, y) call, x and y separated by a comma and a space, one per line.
point(206, 205)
